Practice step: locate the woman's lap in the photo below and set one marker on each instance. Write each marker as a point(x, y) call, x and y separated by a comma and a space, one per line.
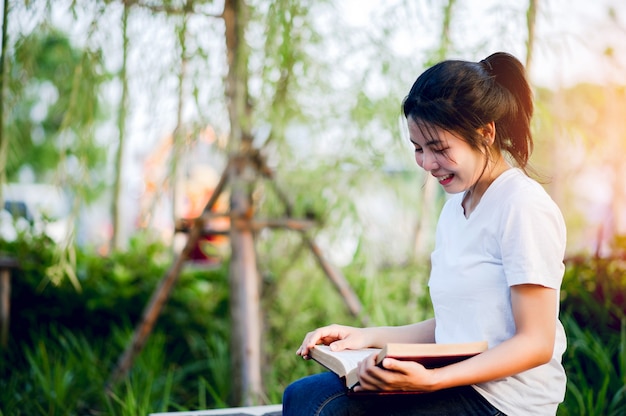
point(325, 395)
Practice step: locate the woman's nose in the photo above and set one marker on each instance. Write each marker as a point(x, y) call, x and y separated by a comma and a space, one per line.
point(428, 161)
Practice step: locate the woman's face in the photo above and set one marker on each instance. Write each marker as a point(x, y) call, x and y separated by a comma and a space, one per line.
point(452, 161)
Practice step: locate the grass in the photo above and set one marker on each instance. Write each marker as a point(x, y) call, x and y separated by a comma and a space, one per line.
point(596, 370)
point(185, 365)
point(64, 374)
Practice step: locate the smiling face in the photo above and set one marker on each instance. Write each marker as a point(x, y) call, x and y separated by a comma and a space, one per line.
point(451, 160)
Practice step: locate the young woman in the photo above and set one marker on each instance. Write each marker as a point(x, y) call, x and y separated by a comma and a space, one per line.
point(496, 268)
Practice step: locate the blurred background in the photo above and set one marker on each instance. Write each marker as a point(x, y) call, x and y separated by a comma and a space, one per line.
point(92, 106)
point(119, 117)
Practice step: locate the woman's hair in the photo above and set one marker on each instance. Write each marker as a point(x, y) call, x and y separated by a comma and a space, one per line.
point(461, 97)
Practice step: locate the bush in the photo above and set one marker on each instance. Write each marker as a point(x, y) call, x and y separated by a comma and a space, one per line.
point(594, 291)
point(192, 327)
point(596, 370)
point(64, 343)
point(594, 315)
point(65, 374)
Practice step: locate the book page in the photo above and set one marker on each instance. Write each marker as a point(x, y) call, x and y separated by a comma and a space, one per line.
point(349, 358)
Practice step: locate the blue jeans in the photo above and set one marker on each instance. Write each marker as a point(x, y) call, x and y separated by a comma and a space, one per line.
point(325, 395)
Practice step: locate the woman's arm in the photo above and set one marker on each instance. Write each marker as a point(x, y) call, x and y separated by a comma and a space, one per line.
point(341, 337)
point(534, 309)
point(421, 332)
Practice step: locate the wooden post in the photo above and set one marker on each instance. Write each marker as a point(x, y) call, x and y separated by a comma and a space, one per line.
point(341, 283)
point(245, 293)
point(5, 299)
point(161, 294)
point(152, 310)
point(6, 264)
point(243, 277)
point(336, 277)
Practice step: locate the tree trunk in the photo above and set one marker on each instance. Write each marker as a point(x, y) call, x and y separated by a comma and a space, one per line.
point(425, 228)
point(531, 18)
point(4, 146)
point(614, 137)
point(121, 127)
point(243, 277)
point(245, 293)
point(432, 194)
point(446, 41)
point(178, 135)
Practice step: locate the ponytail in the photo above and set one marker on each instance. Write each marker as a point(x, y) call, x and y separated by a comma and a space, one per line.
point(513, 128)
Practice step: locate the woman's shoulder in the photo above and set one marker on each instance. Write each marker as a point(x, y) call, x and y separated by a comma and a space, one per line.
point(515, 184)
point(520, 193)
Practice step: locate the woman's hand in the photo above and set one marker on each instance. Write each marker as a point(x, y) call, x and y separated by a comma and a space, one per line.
point(395, 375)
point(338, 337)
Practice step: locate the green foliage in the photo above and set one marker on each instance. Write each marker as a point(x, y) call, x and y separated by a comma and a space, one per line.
point(63, 344)
point(595, 290)
point(596, 369)
point(149, 386)
point(54, 103)
point(62, 382)
point(64, 374)
point(594, 315)
point(33, 250)
point(63, 330)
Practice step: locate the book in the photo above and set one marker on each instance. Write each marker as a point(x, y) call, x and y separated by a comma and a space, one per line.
point(344, 363)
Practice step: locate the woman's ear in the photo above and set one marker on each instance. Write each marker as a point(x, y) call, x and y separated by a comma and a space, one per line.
point(488, 131)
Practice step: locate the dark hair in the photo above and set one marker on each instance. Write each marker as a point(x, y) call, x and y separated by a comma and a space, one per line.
point(461, 97)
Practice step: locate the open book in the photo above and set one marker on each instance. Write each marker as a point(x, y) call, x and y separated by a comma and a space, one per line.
point(344, 363)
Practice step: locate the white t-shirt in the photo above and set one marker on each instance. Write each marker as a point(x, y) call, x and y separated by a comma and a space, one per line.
point(516, 235)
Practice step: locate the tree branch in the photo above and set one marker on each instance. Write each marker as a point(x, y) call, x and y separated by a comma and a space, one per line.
point(188, 8)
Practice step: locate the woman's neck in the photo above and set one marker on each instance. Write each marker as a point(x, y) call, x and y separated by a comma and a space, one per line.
point(474, 194)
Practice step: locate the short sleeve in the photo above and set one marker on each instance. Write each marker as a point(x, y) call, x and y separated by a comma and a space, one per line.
point(533, 239)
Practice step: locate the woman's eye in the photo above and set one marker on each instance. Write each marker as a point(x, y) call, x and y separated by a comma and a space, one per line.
point(441, 150)
point(418, 150)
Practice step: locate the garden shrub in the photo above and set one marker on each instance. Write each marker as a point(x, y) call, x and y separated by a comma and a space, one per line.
point(594, 289)
point(114, 292)
point(186, 359)
point(593, 312)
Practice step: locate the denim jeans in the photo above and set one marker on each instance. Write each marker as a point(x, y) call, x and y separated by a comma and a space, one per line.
point(325, 395)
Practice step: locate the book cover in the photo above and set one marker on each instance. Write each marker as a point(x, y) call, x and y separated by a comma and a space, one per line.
point(344, 363)
point(432, 355)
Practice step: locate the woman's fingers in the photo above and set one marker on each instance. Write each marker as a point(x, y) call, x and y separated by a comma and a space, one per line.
point(327, 335)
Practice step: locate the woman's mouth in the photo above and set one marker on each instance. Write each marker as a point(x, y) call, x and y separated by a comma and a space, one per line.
point(444, 180)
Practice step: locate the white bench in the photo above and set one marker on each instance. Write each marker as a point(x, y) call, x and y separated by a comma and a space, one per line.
point(270, 410)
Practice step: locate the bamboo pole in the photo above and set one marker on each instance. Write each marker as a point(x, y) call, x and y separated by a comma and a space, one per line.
point(340, 282)
point(337, 278)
